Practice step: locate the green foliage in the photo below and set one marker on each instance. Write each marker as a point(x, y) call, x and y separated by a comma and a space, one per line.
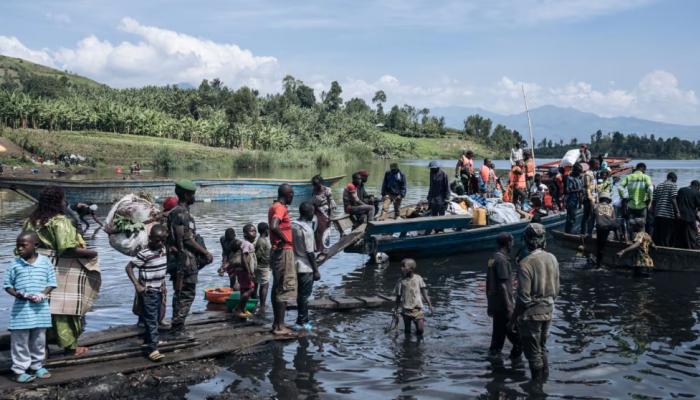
point(163, 160)
point(477, 126)
point(126, 225)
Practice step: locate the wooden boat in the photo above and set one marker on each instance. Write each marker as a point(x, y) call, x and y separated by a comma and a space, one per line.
point(665, 258)
point(395, 238)
point(108, 191)
point(619, 167)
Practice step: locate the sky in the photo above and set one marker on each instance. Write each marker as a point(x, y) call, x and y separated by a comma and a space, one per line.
point(614, 58)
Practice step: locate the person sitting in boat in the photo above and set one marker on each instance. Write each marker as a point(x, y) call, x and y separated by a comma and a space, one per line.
point(362, 191)
point(538, 188)
point(606, 222)
point(641, 245)
point(465, 171)
point(393, 190)
point(358, 210)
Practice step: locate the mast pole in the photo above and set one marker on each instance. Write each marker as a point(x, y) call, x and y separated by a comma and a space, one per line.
point(529, 125)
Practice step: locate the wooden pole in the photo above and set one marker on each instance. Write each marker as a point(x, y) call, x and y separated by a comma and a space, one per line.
point(529, 125)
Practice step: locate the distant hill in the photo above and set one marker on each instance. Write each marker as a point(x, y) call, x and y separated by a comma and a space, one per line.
point(559, 123)
point(13, 71)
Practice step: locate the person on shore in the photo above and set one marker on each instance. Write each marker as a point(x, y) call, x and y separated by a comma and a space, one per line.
point(305, 263)
point(186, 255)
point(152, 263)
point(362, 191)
point(77, 283)
point(606, 222)
point(393, 190)
point(574, 193)
point(324, 204)
point(353, 204)
point(665, 209)
point(29, 278)
point(244, 267)
point(262, 272)
point(642, 243)
point(590, 197)
point(464, 171)
point(538, 287)
point(438, 191)
point(516, 154)
point(229, 247)
point(284, 274)
point(518, 184)
point(636, 192)
point(499, 296)
point(688, 206)
point(84, 210)
point(411, 291)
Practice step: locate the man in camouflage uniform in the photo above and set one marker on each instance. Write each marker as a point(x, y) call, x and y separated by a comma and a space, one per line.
point(186, 255)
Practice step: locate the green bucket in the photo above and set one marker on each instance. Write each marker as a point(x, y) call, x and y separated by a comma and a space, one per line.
point(235, 298)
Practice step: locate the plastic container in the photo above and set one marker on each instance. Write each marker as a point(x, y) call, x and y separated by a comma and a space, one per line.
point(217, 295)
point(235, 297)
point(479, 216)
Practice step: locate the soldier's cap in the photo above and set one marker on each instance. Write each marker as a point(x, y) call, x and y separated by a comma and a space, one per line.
point(535, 234)
point(186, 184)
point(605, 195)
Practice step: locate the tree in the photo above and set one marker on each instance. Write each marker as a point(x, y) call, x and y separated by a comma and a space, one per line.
point(379, 99)
point(477, 126)
point(306, 96)
point(332, 100)
point(356, 105)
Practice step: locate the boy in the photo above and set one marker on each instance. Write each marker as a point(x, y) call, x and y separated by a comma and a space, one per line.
point(152, 265)
point(229, 245)
point(305, 262)
point(606, 222)
point(245, 271)
point(262, 272)
point(410, 292)
point(30, 279)
point(641, 244)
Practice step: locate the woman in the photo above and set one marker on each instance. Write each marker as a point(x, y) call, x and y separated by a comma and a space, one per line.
point(77, 271)
point(324, 206)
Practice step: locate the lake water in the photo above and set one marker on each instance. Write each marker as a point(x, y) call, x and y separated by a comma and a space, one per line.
point(613, 335)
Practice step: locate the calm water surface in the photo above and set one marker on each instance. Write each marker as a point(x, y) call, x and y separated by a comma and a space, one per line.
point(613, 336)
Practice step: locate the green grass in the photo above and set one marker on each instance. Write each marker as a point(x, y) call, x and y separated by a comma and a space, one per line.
point(10, 68)
point(443, 148)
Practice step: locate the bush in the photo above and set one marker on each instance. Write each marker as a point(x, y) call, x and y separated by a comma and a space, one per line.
point(164, 160)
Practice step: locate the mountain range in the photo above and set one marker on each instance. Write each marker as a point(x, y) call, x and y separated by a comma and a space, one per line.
point(558, 123)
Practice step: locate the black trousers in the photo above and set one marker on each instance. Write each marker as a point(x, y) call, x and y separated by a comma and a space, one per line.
point(588, 220)
point(687, 235)
point(570, 217)
point(500, 333)
point(663, 231)
point(602, 235)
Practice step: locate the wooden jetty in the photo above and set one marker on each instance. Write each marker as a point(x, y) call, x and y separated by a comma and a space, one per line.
point(665, 258)
point(103, 191)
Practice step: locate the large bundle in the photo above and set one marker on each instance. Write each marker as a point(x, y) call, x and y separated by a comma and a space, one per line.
point(129, 223)
point(570, 158)
point(502, 213)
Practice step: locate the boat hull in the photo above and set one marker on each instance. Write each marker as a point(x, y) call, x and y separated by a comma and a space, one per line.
point(109, 191)
point(665, 258)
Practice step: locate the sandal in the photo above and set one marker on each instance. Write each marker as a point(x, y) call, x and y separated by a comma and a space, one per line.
point(156, 356)
point(42, 373)
point(24, 378)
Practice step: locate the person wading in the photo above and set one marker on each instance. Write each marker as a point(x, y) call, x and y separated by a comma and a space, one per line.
point(393, 190)
point(538, 287)
point(284, 274)
point(186, 255)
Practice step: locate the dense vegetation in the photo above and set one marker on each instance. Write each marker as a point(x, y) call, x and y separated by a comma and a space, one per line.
point(635, 146)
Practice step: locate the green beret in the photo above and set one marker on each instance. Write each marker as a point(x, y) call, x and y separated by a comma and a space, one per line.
point(186, 184)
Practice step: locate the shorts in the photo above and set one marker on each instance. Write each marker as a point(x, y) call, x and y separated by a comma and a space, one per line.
point(262, 275)
point(245, 281)
point(284, 275)
point(415, 313)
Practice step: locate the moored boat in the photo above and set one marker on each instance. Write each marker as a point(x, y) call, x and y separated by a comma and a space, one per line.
point(108, 191)
point(665, 258)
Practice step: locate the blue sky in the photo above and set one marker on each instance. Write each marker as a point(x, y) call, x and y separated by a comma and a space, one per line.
point(624, 57)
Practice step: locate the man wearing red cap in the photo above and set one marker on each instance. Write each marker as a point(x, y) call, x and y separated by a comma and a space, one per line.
point(362, 191)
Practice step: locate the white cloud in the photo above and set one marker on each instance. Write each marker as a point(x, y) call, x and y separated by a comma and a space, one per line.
point(11, 46)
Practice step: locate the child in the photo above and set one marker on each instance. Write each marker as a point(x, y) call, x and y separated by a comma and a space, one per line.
point(605, 221)
point(642, 242)
point(152, 264)
point(239, 266)
point(262, 272)
point(30, 279)
point(229, 247)
point(305, 262)
point(410, 292)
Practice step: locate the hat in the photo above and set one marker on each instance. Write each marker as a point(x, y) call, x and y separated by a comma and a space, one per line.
point(169, 203)
point(604, 195)
point(363, 173)
point(535, 235)
point(433, 165)
point(186, 184)
point(394, 165)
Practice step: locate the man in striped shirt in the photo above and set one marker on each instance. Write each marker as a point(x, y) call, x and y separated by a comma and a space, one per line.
point(151, 263)
point(666, 211)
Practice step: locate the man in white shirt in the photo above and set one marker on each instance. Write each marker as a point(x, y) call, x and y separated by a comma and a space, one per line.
point(304, 242)
point(516, 154)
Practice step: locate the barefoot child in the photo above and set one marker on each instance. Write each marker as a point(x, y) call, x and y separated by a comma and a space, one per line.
point(29, 278)
point(410, 292)
point(641, 244)
point(245, 273)
point(229, 247)
point(262, 272)
point(151, 263)
point(304, 243)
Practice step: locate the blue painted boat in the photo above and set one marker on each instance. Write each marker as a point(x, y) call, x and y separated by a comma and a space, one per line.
point(381, 236)
point(108, 191)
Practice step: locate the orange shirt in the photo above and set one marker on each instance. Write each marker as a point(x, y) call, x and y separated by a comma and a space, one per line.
point(530, 166)
point(485, 172)
point(279, 211)
point(517, 180)
point(467, 164)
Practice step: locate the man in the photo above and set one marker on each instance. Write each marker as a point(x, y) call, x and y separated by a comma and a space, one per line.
point(499, 296)
point(538, 287)
point(529, 168)
point(585, 154)
point(516, 154)
point(305, 262)
point(464, 171)
point(574, 191)
point(362, 191)
point(638, 194)
point(284, 274)
point(186, 255)
point(688, 206)
point(353, 204)
point(439, 190)
point(590, 197)
point(518, 184)
point(393, 190)
point(665, 208)
point(488, 178)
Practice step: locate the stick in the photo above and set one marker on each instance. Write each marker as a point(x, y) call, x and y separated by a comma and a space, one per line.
point(529, 126)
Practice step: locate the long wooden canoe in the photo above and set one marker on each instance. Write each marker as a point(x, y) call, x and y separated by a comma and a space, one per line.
point(665, 258)
point(108, 191)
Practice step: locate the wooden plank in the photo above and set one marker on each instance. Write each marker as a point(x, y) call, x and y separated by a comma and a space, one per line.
point(347, 303)
point(323, 304)
point(418, 224)
point(344, 242)
point(372, 301)
point(390, 299)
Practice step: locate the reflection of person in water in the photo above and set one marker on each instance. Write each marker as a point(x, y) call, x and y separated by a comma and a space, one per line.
point(410, 361)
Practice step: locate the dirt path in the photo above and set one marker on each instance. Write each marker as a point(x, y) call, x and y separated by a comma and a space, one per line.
point(9, 149)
